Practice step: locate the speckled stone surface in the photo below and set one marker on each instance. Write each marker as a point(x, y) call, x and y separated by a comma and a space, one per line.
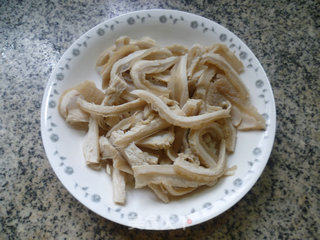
point(284, 203)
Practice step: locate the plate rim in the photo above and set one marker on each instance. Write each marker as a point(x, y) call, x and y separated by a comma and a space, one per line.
point(228, 206)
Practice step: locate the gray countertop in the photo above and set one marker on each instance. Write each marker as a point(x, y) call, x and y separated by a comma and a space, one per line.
point(283, 204)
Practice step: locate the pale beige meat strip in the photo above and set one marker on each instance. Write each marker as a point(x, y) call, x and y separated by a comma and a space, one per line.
point(141, 68)
point(90, 145)
point(161, 174)
point(118, 186)
point(199, 173)
point(160, 193)
point(178, 83)
point(109, 151)
point(120, 53)
point(135, 156)
point(182, 121)
point(138, 132)
point(231, 75)
point(196, 144)
point(160, 140)
point(231, 58)
point(105, 111)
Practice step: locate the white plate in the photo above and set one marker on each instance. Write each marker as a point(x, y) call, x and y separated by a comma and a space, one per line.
point(143, 210)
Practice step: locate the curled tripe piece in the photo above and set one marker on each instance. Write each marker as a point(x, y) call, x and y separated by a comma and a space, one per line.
point(177, 120)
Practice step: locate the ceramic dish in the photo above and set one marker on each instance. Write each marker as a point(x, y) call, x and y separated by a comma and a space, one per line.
point(143, 210)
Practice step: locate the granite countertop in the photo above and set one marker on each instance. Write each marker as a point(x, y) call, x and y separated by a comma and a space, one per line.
point(283, 204)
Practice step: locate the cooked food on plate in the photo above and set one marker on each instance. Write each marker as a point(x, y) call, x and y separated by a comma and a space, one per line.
point(164, 118)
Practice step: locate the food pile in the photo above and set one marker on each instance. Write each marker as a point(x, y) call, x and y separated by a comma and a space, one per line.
point(165, 117)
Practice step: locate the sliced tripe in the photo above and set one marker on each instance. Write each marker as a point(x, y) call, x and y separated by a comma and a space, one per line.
point(230, 134)
point(212, 183)
point(200, 68)
point(124, 124)
point(189, 156)
point(144, 43)
point(160, 140)
point(179, 133)
point(208, 157)
point(147, 112)
point(192, 67)
point(194, 56)
point(213, 97)
point(163, 77)
point(178, 83)
point(138, 131)
point(110, 110)
point(121, 41)
point(230, 57)
point(198, 173)
point(105, 56)
point(193, 79)
point(110, 116)
point(214, 101)
point(251, 119)
point(160, 174)
point(177, 120)
point(115, 90)
point(87, 90)
point(177, 50)
point(141, 68)
point(209, 108)
point(124, 64)
point(177, 191)
point(230, 73)
point(90, 147)
point(112, 97)
point(90, 92)
point(210, 144)
point(127, 96)
point(103, 123)
point(172, 104)
point(192, 107)
point(159, 192)
point(107, 151)
point(203, 83)
point(112, 121)
point(77, 118)
point(235, 116)
point(131, 112)
point(120, 163)
point(70, 97)
point(158, 54)
point(158, 83)
point(119, 186)
point(120, 53)
point(197, 94)
point(230, 171)
point(119, 82)
point(69, 109)
point(135, 156)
